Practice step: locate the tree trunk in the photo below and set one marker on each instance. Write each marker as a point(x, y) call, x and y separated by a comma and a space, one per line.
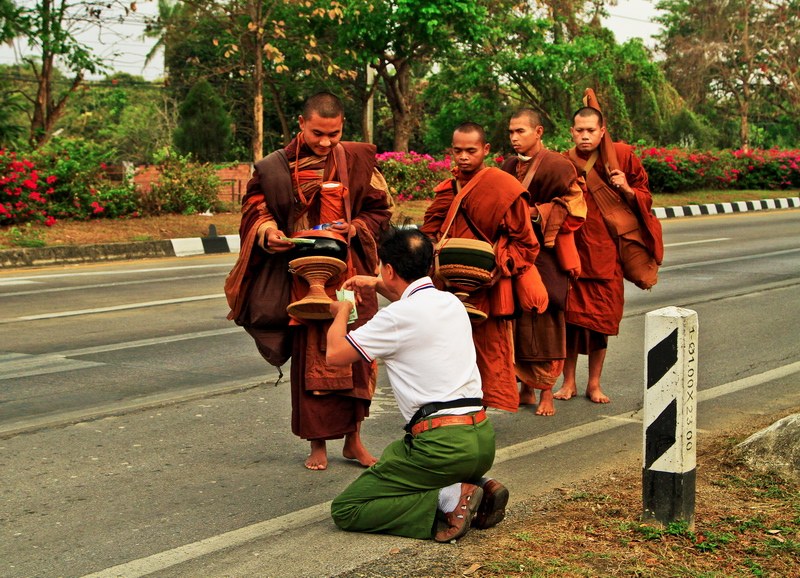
point(254, 7)
point(744, 134)
point(45, 112)
point(402, 131)
point(258, 106)
point(276, 101)
point(398, 94)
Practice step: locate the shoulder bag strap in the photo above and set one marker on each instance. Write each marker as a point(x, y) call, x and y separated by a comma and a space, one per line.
point(537, 160)
point(340, 158)
point(454, 206)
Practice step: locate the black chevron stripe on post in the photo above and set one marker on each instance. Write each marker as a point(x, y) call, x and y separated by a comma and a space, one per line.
point(670, 409)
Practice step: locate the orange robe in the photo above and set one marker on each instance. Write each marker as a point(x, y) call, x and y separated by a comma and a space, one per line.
point(498, 208)
point(597, 298)
point(557, 204)
point(327, 402)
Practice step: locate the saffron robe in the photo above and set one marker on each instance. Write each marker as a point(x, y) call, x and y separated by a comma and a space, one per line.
point(497, 208)
point(597, 298)
point(557, 204)
point(327, 402)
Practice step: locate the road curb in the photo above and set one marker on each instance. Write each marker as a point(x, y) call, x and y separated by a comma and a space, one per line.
point(725, 208)
point(76, 254)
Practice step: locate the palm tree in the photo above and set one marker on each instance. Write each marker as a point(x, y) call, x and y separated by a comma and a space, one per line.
point(158, 28)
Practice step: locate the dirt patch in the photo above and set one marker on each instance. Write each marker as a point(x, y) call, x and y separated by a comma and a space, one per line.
point(747, 524)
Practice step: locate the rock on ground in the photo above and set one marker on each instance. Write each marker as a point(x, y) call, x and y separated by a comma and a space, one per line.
point(776, 448)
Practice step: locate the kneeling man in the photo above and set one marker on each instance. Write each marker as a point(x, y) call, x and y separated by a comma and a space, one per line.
point(425, 339)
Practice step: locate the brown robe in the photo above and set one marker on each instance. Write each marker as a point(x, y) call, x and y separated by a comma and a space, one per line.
point(557, 200)
point(597, 298)
point(496, 208)
point(327, 402)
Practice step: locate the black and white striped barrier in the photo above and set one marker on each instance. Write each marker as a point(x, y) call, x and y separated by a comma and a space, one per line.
point(726, 208)
point(670, 416)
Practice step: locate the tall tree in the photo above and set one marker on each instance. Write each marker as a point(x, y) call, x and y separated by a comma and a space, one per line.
point(729, 51)
point(403, 39)
point(204, 128)
point(269, 45)
point(51, 29)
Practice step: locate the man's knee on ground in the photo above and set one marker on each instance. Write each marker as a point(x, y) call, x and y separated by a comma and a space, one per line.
point(343, 514)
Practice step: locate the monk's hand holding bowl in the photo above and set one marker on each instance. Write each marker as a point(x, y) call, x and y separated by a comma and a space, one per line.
point(342, 228)
point(275, 241)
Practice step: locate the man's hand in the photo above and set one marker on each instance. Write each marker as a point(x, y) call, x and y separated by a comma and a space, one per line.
point(275, 243)
point(339, 351)
point(340, 308)
point(361, 285)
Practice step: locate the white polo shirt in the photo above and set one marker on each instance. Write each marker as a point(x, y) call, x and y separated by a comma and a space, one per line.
point(425, 341)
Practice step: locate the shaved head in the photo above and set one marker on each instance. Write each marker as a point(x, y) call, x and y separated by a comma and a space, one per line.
point(588, 112)
point(468, 127)
point(325, 105)
point(528, 113)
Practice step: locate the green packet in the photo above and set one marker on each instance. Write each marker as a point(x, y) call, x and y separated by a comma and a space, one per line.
point(347, 295)
point(298, 241)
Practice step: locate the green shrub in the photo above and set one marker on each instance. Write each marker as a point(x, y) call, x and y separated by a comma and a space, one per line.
point(183, 187)
point(82, 189)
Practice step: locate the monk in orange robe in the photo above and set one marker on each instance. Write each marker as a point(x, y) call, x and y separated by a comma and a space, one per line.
point(495, 211)
point(595, 302)
point(557, 209)
point(286, 196)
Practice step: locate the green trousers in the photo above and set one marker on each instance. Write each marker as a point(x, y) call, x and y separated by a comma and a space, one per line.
point(399, 494)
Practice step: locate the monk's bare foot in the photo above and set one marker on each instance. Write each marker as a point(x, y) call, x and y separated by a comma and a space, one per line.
point(318, 460)
point(355, 450)
point(546, 406)
point(527, 395)
point(597, 396)
point(566, 392)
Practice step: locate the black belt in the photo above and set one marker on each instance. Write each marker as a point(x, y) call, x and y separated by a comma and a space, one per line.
point(433, 407)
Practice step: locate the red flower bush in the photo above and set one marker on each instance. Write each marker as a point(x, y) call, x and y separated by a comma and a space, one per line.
point(678, 170)
point(23, 191)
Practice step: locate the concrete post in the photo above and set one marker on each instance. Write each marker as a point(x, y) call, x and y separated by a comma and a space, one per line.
point(670, 416)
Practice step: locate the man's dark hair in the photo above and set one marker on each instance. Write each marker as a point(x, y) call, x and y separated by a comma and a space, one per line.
point(587, 112)
point(533, 117)
point(325, 105)
point(408, 251)
point(472, 127)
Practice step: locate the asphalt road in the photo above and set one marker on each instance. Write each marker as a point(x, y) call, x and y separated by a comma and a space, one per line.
point(142, 432)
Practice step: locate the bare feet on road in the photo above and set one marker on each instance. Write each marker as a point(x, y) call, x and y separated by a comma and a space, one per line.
point(546, 406)
point(318, 460)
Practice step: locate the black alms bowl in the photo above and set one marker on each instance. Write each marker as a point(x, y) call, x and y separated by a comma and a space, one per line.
point(326, 244)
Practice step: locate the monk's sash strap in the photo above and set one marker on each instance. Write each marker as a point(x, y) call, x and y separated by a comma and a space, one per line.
point(432, 408)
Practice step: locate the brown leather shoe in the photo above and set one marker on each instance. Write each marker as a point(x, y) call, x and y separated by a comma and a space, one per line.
point(458, 521)
point(492, 508)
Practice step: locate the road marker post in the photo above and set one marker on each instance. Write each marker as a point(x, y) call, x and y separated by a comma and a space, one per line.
point(670, 416)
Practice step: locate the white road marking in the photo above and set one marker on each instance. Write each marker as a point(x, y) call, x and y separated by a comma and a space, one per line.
point(310, 515)
point(11, 282)
point(729, 260)
point(99, 285)
point(124, 272)
point(697, 242)
point(14, 365)
point(113, 308)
